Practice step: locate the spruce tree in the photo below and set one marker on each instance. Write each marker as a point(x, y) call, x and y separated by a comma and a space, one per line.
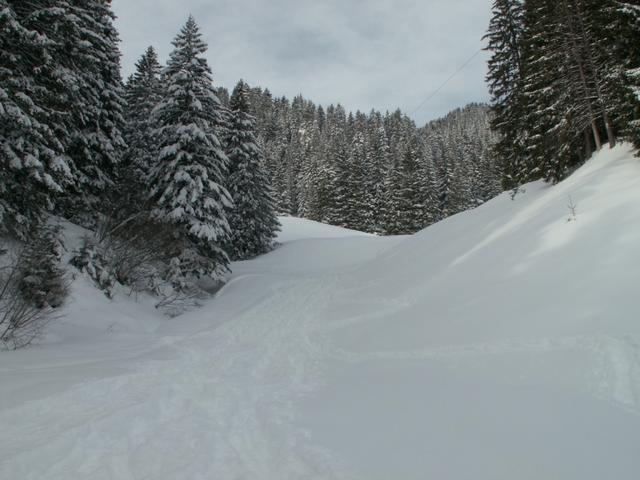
point(504, 77)
point(407, 192)
point(548, 95)
point(377, 164)
point(327, 167)
point(34, 169)
point(187, 179)
point(143, 92)
point(41, 278)
point(343, 211)
point(574, 82)
point(253, 219)
point(90, 53)
point(618, 22)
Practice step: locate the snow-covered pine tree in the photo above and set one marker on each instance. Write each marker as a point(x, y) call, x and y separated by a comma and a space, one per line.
point(505, 84)
point(90, 54)
point(357, 210)
point(335, 161)
point(574, 84)
point(445, 186)
point(406, 193)
point(34, 169)
point(587, 63)
point(253, 220)
point(42, 280)
point(143, 92)
point(628, 18)
point(343, 210)
point(309, 203)
point(187, 181)
point(377, 164)
point(616, 25)
point(326, 167)
point(547, 93)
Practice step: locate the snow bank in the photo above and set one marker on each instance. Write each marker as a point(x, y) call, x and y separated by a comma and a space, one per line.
point(294, 228)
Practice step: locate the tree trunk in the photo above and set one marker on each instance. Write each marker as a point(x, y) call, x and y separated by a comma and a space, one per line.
point(574, 51)
point(588, 46)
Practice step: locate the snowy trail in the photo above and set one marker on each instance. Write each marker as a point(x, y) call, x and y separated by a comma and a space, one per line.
point(230, 388)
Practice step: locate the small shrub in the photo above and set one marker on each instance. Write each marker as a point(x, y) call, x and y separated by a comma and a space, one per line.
point(32, 286)
point(91, 260)
point(42, 280)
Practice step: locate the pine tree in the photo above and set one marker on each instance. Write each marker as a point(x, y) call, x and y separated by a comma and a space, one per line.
point(187, 180)
point(406, 213)
point(89, 50)
point(41, 279)
point(309, 180)
point(34, 169)
point(619, 23)
point(327, 167)
point(343, 211)
point(143, 92)
point(504, 77)
point(377, 164)
point(574, 82)
point(548, 108)
point(357, 214)
point(252, 220)
point(336, 158)
point(444, 188)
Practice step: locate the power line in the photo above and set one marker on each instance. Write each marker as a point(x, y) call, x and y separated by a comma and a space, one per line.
point(424, 102)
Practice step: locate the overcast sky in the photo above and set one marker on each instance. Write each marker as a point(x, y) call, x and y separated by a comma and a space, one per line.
point(364, 54)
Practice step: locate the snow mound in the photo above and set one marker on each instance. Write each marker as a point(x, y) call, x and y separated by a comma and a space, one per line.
point(301, 229)
point(502, 343)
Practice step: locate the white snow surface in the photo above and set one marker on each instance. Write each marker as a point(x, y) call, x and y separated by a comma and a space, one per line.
point(302, 229)
point(502, 343)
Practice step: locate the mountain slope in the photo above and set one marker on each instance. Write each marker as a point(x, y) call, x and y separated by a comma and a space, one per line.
point(501, 343)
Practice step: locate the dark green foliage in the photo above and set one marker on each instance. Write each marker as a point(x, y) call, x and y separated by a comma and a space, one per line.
point(187, 181)
point(504, 40)
point(34, 170)
point(89, 51)
point(340, 169)
point(60, 109)
point(91, 259)
point(143, 92)
point(41, 279)
point(563, 79)
point(252, 219)
point(406, 188)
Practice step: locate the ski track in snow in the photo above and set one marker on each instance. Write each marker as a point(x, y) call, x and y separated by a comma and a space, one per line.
point(617, 378)
point(619, 371)
point(230, 388)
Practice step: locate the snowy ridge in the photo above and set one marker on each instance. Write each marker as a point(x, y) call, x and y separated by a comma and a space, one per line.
point(500, 343)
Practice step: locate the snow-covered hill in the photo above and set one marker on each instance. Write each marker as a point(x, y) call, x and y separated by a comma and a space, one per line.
point(502, 343)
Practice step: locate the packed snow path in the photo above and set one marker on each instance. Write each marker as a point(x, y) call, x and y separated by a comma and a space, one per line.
point(502, 343)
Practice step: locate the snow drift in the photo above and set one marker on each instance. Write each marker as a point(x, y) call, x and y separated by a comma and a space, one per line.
point(500, 343)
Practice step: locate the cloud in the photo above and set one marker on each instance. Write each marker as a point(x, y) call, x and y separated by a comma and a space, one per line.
point(382, 54)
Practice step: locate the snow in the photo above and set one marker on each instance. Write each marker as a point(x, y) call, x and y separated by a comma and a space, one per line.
point(500, 343)
point(299, 228)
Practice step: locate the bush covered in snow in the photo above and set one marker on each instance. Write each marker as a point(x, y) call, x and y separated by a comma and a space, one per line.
point(32, 286)
point(141, 255)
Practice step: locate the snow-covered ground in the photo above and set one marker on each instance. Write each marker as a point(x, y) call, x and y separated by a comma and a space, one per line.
point(502, 343)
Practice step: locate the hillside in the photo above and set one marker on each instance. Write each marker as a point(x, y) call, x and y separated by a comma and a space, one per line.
point(500, 343)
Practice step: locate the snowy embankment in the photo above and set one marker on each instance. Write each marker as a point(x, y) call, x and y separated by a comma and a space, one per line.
point(502, 343)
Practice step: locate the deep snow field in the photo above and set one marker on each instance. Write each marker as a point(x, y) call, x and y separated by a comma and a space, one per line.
point(502, 343)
